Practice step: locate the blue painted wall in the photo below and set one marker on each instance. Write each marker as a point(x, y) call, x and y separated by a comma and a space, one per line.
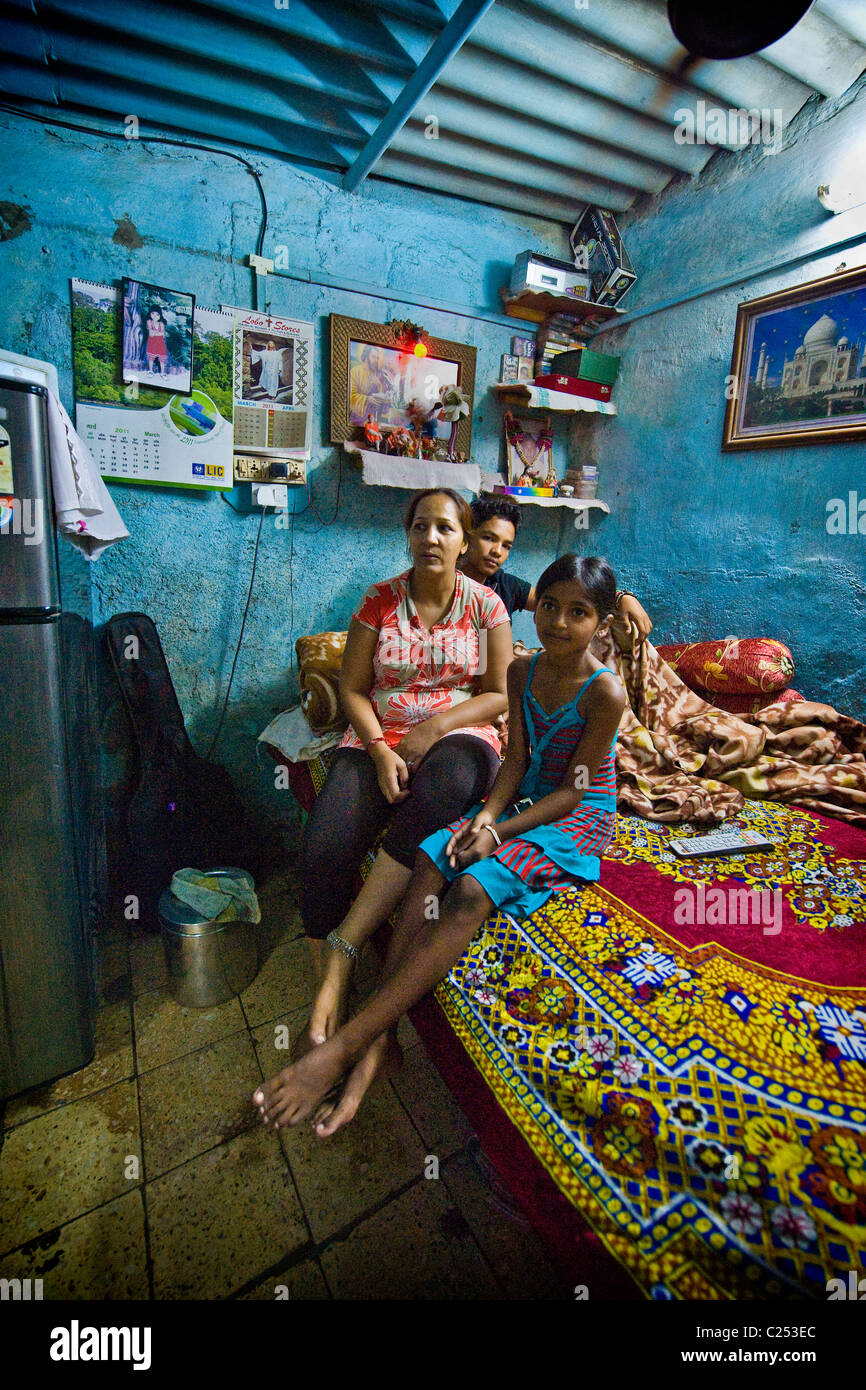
point(188, 559)
point(715, 543)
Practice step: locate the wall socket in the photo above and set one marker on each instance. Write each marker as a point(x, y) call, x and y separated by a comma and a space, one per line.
point(252, 468)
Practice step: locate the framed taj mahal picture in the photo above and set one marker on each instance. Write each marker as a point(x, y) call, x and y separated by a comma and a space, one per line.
point(798, 372)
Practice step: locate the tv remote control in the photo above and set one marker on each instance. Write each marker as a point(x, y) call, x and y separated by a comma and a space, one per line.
point(719, 842)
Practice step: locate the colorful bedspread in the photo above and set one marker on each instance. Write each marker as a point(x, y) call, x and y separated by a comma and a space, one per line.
point(695, 1084)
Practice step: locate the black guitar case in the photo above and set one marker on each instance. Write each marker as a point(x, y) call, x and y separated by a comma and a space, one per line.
point(184, 811)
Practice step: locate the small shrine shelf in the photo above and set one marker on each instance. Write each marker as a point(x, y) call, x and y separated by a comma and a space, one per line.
point(580, 505)
point(529, 397)
point(394, 470)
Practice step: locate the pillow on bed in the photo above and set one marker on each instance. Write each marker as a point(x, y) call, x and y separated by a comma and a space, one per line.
point(744, 666)
point(750, 704)
point(319, 660)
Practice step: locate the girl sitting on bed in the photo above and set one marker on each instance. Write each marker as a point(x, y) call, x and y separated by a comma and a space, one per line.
point(549, 816)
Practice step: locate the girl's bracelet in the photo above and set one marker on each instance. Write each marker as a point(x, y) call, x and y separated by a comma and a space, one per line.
point(623, 593)
point(493, 833)
point(378, 739)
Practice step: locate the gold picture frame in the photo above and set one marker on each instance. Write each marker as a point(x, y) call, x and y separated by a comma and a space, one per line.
point(396, 372)
point(795, 371)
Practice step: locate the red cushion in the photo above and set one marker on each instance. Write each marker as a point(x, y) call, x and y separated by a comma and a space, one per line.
point(750, 704)
point(733, 666)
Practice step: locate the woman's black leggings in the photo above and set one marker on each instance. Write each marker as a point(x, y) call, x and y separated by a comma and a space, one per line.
point(350, 811)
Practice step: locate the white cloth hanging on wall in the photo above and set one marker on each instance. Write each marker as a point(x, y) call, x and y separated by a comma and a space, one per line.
point(84, 510)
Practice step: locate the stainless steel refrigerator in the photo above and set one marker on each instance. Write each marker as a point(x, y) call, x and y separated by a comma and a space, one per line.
point(51, 838)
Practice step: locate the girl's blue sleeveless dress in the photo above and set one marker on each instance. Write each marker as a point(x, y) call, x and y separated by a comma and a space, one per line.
point(520, 875)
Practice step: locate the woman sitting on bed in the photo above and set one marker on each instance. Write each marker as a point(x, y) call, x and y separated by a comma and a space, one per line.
point(550, 815)
point(422, 680)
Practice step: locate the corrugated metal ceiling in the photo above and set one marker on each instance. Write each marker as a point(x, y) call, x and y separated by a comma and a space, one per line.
point(538, 106)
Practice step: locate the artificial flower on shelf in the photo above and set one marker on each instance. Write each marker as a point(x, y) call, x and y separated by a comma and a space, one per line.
point(410, 337)
point(453, 404)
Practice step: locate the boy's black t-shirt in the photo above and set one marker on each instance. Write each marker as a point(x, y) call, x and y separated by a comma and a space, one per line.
point(513, 591)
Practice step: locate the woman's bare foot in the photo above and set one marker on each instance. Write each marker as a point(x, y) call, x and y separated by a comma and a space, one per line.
point(380, 1061)
point(330, 1004)
point(296, 1091)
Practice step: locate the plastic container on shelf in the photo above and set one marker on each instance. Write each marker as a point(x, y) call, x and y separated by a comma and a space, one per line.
point(587, 486)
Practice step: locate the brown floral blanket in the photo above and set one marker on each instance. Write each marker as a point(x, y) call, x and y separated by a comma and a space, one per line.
point(680, 759)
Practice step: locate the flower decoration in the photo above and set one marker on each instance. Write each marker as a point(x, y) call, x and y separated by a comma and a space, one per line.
point(407, 334)
point(708, 1157)
point(562, 1053)
point(742, 1213)
point(453, 405)
point(687, 1114)
point(601, 1047)
point(627, 1069)
point(514, 1037)
point(793, 1227)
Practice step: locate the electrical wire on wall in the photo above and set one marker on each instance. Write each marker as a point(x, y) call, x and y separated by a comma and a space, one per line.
point(263, 227)
point(215, 738)
point(159, 140)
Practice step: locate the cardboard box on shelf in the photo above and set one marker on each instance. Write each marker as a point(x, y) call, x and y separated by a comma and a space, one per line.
point(587, 364)
point(536, 272)
point(574, 386)
point(598, 250)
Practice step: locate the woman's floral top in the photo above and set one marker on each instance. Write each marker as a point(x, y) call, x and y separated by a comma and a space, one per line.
point(418, 673)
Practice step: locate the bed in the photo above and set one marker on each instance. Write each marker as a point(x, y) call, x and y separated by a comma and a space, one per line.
point(680, 1109)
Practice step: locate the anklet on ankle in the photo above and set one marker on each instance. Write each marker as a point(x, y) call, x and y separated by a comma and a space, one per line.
point(339, 943)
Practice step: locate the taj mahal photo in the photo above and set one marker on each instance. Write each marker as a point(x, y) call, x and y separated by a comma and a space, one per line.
point(806, 363)
point(822, 362)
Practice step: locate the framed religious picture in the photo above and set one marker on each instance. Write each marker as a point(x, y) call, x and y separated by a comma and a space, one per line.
point(529, 451)
point(797, 373)
point(394, 377)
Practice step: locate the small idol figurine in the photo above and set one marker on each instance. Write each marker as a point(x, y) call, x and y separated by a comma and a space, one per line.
point(551, 480)
point(401, 441)
point(526, 479)
point(373, 433)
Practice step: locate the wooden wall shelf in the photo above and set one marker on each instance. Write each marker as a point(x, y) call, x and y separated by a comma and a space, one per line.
point(537, 305)
point(528, 397)
point(394, 470)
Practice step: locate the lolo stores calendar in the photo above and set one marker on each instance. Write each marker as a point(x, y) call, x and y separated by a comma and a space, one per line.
point(140, 433)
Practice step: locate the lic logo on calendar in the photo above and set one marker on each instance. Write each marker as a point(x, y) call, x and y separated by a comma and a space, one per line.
point(194, 414)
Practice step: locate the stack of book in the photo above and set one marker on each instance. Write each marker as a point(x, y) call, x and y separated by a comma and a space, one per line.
point(559, 334)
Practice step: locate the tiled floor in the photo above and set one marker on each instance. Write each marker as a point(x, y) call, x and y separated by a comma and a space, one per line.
point(147, 1174)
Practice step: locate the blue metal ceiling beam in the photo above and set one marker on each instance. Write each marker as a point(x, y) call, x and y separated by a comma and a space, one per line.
point(217, 40)
point(358, 34)
point(103, 97)
point(477, 188)
point(443, 48)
